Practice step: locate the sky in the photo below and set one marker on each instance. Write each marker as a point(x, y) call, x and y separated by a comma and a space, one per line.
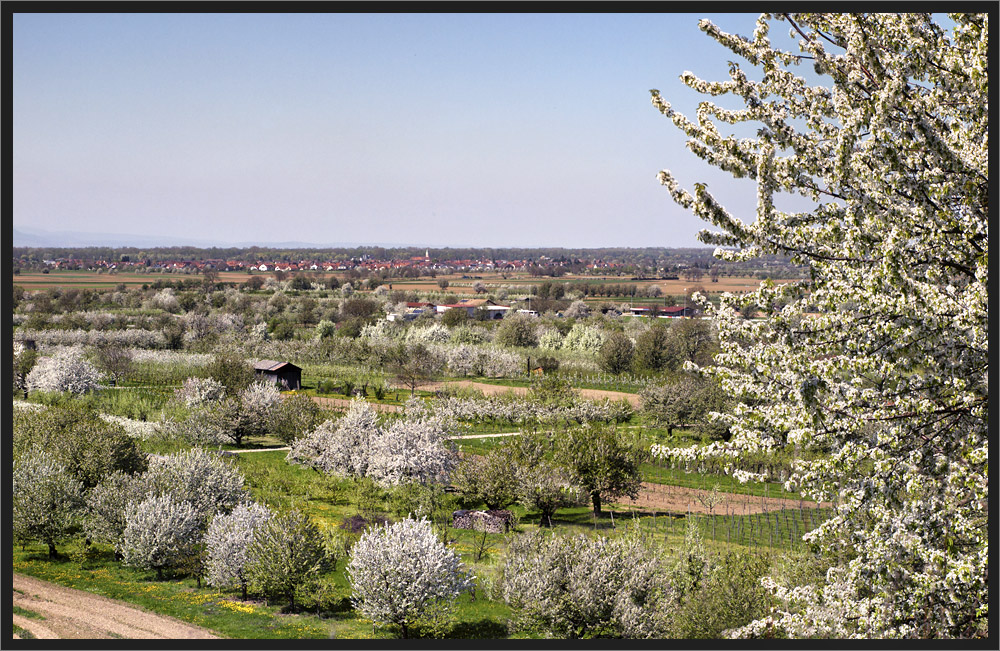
point(477, 130)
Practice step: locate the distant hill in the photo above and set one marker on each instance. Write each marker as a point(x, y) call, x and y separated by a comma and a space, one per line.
point(41, 238)
point(33, 237)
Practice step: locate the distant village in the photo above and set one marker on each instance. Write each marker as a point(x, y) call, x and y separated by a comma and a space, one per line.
point(647, 263)
point(423, 264)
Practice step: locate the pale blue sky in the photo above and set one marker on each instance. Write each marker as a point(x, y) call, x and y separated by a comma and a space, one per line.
point(413, 129)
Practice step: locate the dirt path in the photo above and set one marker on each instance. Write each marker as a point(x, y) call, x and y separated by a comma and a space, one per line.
point(344, 403)
point(76, 614)
point(679, 499)
point(497, 389)
point(485, 389)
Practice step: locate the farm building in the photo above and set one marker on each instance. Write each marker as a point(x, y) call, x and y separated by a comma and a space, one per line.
point(493, 310)
point(676, 311)
point(413, 310)
point(284, 373)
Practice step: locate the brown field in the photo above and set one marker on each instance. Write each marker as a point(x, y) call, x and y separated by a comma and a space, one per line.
point(458, 285)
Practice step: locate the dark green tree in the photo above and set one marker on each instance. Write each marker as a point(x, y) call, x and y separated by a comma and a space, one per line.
point(603, 461)
point(231, 370)
point(287, 555)
point(616, 354)
point(651, 348)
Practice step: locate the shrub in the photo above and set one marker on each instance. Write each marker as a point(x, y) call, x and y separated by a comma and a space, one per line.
point(67, 370)
point(401, 574)
point(227, 545)
point(517, 330)
point(231, 371)
point(616, 354)
point(581, 587)
point(196, 391)
point(161, 532)
point(46, 501)
point(287, 555)
point(294, 416)
point(89, 447)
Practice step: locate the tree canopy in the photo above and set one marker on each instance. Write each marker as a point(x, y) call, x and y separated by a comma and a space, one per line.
point(880, 356)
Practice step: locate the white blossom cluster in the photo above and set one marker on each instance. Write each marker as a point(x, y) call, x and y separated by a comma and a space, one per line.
point(482, 361)
point(260, 398)
point(160, 532)
point(890, 377)
point(549, 338)
point(165, 299)
point(382, 330)
point(411, 449)
point(577, 310)
point(45, 499)
point(170, 357)
point(197, 326)
point(400, 571)
point(585, 338)
point(102, 320)
point(227, 542)
point(67, 370)
point(194, 484)
point(576, 586)
point(519, 411)
point(196, 391)
point(435, 333)
point(140, 429)
point(132, 338)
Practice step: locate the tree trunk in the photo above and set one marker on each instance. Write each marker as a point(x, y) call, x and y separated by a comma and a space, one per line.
point(243, 585)
point(52, 549)
point(406, 631)
point(596, 497)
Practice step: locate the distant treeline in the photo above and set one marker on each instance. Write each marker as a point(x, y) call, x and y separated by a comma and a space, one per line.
point(637, 260)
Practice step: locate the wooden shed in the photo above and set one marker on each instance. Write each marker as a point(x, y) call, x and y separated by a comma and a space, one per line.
point(284, 373)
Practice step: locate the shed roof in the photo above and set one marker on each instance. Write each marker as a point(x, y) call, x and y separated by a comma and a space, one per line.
point(271, 365)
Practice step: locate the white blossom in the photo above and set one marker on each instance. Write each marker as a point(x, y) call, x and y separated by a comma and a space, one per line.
point(195, 391)
point(227, 542)
point(160, 532)
point(65, 371)
point(46, 501)
point(888, 371)
point(575, 586)
point(586, 338)
point(406, 450)
point(399, 571)
point(204, 480)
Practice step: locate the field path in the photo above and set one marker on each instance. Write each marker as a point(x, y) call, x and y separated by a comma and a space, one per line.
point(75, 614)
point(482, 387)
point(344, 403)
point(497, 389)
point(681, 499)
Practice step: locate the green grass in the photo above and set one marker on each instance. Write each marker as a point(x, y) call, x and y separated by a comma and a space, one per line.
point(22, 633)
point(328, 500)
point(657, 474)
point(30, 614)
point(97, 572)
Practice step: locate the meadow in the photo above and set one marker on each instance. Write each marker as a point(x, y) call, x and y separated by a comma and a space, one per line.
point(208, 332)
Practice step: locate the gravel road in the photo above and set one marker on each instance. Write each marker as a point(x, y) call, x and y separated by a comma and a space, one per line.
point(75, 614)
